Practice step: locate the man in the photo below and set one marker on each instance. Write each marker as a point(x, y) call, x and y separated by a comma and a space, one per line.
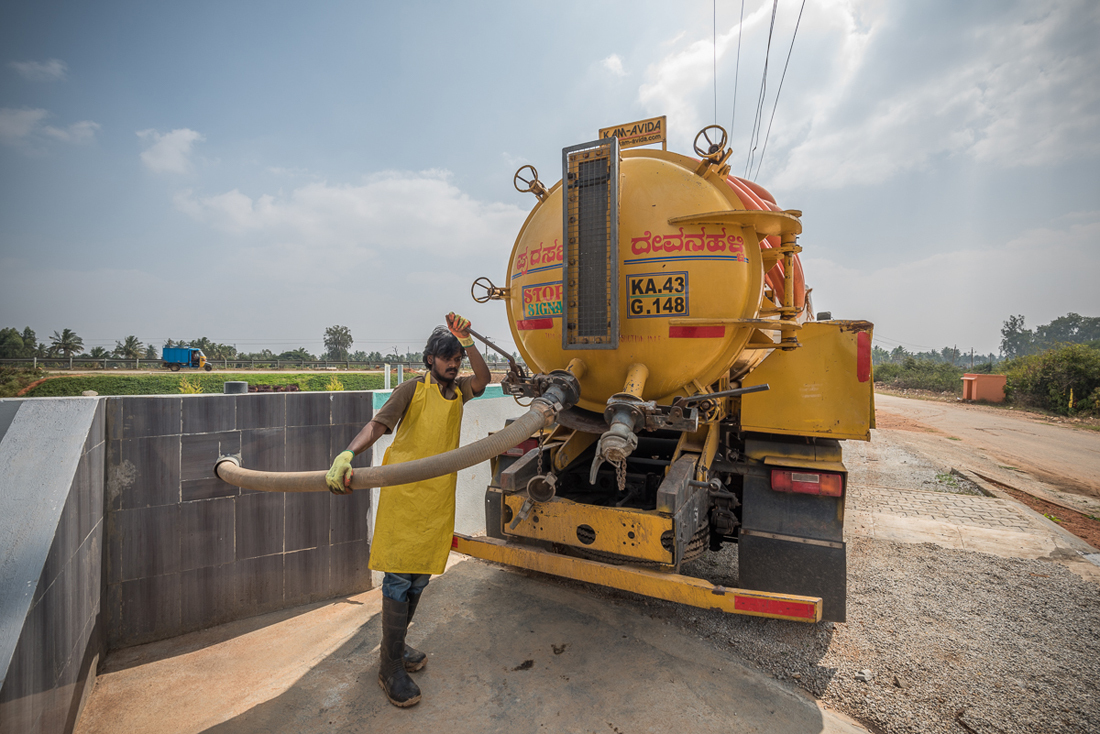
point(415, 522)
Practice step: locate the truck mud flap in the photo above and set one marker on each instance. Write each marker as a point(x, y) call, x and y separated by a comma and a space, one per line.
point(795, 565)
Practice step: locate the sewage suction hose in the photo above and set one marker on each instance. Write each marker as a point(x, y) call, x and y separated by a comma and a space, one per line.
point(539, 415)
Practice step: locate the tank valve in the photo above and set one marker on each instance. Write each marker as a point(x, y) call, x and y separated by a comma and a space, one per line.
point(626, 415)
point(530, 183)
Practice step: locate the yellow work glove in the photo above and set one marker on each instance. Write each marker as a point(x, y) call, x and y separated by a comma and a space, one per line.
point(338, 478)
point(460, 327)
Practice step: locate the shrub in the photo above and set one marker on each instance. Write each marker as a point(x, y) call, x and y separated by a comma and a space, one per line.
point(334, 384)
point(1054, 378)
point(168, 384)
point(920, 374)
point(190, 388)
point(14, 379)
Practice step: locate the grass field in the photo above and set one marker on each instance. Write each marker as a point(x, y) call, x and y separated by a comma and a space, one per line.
point(170, 383)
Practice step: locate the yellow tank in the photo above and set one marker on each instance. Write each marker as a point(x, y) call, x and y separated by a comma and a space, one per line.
point(681, 285)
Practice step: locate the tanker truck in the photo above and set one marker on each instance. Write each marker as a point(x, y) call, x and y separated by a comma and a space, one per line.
point(711, 404)
point(683, 396)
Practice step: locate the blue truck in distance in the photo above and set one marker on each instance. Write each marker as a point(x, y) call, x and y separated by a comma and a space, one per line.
point(176, 357)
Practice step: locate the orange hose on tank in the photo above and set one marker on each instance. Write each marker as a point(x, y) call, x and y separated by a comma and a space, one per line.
point(756, 197)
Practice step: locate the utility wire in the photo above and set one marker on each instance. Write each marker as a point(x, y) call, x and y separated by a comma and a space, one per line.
point(714, 45)
point(737, 68)
point(758, 118)
point(779, 91)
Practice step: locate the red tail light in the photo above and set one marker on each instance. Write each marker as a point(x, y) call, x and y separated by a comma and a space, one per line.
point(454, 542)
point(805, 482)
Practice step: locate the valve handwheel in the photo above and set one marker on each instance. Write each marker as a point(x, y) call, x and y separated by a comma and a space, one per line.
point(517, 179)
point(714, 146)
point(487, 285)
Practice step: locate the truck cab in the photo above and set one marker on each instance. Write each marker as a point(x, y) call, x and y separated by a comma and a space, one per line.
point(175, 358)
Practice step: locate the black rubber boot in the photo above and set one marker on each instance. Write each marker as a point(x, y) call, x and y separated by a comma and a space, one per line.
point(414, 659)
point(397, 684)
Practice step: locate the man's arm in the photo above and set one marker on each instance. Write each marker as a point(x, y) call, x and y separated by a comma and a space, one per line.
point(366, 437)
point(482, 377)
point(339, 475)
point(460, 327)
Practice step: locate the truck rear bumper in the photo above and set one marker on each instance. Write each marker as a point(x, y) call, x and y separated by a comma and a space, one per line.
point(668, 586)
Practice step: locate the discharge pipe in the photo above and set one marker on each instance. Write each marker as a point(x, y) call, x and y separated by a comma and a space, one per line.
point(561, 393)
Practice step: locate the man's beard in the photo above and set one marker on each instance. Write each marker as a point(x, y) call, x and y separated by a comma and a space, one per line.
point(440, 376)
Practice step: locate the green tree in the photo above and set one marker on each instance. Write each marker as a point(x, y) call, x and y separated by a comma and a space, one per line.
point(338, 341)
point(300, 354)
point(1016, 339)
point(129, 348)
point(11, 344)
point(98, 353)
point(67, 343)
point(1069, 329)
point(30, 344)
point(151, 352)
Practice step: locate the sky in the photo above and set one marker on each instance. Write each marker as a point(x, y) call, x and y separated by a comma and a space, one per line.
point(256, 172)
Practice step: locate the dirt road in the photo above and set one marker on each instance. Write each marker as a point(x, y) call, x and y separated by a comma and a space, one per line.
point(1021, 451)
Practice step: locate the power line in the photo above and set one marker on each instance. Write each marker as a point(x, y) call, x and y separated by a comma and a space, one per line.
point(714, 46)
point(737, 68)
point(758, 118)
point(779, 91)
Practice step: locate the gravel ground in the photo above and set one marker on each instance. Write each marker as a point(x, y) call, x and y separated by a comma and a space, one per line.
point(955, 641)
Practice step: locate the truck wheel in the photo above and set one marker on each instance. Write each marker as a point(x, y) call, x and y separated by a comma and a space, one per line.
point(174, 367)
point(208, 368)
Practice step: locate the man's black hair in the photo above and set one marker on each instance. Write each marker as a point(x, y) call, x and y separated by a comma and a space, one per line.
point(442, 343)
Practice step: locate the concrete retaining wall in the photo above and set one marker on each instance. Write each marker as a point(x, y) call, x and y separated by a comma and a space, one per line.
point(115, 532)
point(51, 541)
point(185, 550)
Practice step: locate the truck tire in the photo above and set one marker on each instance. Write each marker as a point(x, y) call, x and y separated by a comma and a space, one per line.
point(174, 367)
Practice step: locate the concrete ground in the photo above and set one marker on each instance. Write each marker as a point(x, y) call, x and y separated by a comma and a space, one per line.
point(900, 487)
point(523, 653)
point(507, 652)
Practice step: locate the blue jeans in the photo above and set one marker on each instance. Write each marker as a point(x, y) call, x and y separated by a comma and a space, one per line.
point(398, 586)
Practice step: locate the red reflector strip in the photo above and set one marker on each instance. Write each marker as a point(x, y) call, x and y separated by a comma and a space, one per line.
point(696, 332)
point(863, 356)
point(774, 606)
point(534, 324)
point(454, 542)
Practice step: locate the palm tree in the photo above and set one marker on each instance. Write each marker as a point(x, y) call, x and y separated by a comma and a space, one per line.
point(67, 343)
point(130, 348)
point(97, 353)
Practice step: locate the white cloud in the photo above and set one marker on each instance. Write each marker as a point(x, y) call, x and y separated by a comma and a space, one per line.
point(876, 89)
point(78, 132)
point(1016, 89)
point(16, 125)
point(170, 152)
point(680, 85)
point(399, 213)
point(25, 126)
point(41, 71)
point(966, 294)
point(614, 64)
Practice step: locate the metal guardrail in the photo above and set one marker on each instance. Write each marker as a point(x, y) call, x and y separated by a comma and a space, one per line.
point(104, 363)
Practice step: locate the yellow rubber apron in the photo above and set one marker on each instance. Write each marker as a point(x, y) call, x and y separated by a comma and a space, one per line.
point(415, 522)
